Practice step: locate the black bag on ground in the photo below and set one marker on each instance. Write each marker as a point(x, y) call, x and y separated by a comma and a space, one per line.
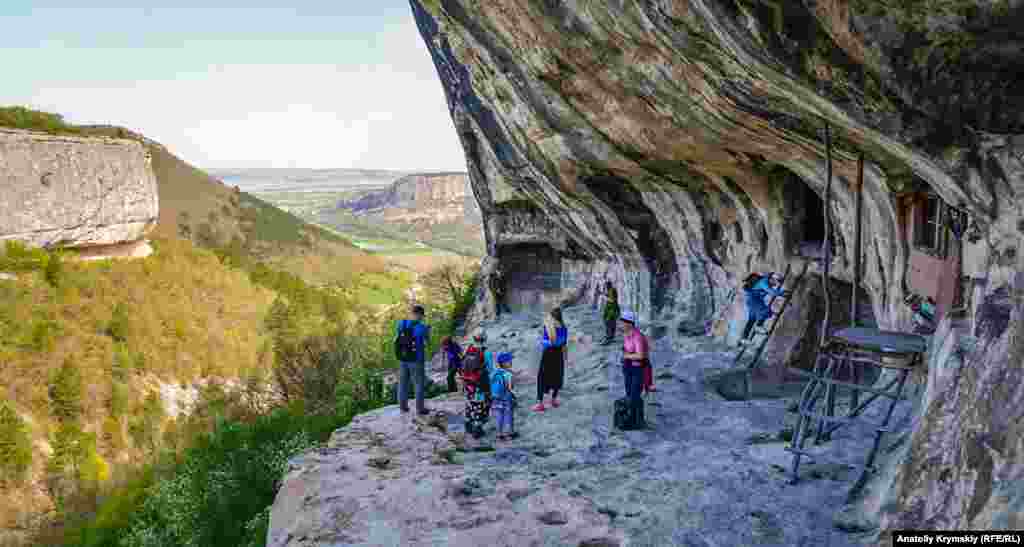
point(405, 344)
point(621, 416)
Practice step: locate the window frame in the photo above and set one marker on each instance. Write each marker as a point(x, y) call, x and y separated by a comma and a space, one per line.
point(931, 235)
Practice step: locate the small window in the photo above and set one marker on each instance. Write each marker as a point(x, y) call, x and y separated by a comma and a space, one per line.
point(929, 230)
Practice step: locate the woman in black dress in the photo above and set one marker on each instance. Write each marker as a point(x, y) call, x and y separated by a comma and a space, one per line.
point(551, 373)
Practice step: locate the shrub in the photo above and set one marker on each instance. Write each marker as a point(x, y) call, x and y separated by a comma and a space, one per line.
point(18, 257)
point(19, 117)
point(221, 490)
point(119, 324)
point(54, 269)
point(66, 392)
point(74, 465)
point(15, 446)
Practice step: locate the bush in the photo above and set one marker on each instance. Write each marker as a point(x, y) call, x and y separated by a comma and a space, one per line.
point(66, 392)
point(19, 117)
point(18, 257)
point(119, 324)
point(220, 492)
point(15, 447)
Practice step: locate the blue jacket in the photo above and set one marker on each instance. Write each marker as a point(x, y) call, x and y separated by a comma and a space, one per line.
point(454, 356)
point(499, 377)
point(757, 308)
point(561, 336)
point(422, 333)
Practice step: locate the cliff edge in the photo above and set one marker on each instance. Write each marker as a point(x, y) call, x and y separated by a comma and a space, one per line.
point(78, 192)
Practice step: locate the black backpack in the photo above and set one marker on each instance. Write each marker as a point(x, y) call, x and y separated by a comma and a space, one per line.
point(474, 361)
point(750, 281)
point(405, 344)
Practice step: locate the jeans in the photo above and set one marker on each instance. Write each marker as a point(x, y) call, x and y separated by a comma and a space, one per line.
point(504, 416)
point(418, 373)
point(634, 377)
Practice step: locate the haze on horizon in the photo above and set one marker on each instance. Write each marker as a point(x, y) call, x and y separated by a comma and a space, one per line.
point(321, 84)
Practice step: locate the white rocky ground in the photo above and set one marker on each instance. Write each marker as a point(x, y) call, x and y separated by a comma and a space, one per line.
point(709, 473)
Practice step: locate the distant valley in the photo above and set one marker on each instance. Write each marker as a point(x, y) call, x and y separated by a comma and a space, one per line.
point(414, 219)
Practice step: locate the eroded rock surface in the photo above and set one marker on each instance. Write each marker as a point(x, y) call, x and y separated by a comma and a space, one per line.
point(75, 191)
point(673, 147)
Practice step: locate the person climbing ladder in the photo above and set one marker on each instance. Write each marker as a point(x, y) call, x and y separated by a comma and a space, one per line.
point(757, 287)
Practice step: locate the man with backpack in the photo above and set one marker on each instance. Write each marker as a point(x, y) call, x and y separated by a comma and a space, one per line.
point(757, 287)
point(411, 348)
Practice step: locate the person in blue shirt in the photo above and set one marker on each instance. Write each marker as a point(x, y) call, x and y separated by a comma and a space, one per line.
point(757, 309)
point(414, 370)
point(551, 373)
point(503, 397)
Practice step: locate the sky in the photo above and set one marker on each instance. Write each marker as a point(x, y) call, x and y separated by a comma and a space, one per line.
point(314, 84)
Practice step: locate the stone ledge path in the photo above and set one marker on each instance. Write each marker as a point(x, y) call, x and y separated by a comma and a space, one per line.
point(710, 472)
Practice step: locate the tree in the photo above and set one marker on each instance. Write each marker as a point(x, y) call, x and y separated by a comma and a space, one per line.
point(66, 392)
point(445, 282)
point(15, 446)
point(74, 467)
point(54, 269)
point(119, 323)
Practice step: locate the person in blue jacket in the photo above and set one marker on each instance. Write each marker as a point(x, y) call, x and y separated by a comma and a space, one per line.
point(551, 373)
point(414, 370)
point(503, 395)
point(756, 292)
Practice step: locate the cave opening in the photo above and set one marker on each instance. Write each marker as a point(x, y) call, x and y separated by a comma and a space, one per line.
point(804, 210)
point(811, 230)
point(533, 273)
point(650, 237)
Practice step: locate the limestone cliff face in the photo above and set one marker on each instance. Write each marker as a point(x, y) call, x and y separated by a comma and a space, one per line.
point(79, 192)
point(674, 146)
point(442, 197)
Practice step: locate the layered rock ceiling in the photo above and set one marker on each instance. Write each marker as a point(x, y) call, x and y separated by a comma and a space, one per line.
point(673, 146)
point(96, 194)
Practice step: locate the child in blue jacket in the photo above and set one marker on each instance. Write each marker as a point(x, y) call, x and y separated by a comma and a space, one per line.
point(503, 401)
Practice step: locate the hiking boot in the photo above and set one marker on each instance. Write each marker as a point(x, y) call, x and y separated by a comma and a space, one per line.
point(423, 412)
point(539, 407)
point(405, 410)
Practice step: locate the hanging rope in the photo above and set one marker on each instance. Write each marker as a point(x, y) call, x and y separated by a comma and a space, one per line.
point(827, 245)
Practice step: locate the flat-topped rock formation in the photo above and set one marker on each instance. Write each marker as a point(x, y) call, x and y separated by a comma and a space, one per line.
point(77, 192)
point(438, 197)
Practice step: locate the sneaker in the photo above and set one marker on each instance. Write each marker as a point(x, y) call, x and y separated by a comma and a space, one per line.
point(404, 410)
point(539, 407)
point(423, 412)
point(555, 403)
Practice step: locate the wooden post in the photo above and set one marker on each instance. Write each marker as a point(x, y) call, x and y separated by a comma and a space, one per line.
point(857, 238)
point(826, 266)
point(830, 390)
